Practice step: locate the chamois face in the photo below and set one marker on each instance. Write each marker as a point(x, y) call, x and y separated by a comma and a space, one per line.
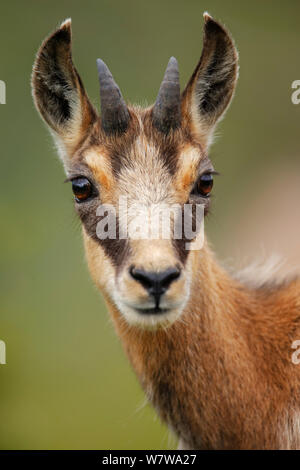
point(132, 170)
point(146, 172)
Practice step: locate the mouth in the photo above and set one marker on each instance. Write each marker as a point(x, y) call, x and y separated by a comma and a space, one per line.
point(152, 311)
point(150, 317)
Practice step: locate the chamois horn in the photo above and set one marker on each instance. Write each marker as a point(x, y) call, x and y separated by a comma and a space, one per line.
point(167, 110)
point(114, 112)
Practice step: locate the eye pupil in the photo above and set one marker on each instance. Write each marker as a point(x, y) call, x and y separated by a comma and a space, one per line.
point(204, 185)
point(82, 189)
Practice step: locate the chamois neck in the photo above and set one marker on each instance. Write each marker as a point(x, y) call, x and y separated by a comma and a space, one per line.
point(188, 357)
point(199, 372)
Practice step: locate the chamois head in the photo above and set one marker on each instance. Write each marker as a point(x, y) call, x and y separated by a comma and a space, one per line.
point(145, 158)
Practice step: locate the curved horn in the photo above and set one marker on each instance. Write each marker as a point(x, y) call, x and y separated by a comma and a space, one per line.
point(166, 111)
point(114, 112)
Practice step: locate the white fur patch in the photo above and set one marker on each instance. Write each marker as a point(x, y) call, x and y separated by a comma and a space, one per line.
point(264, 271)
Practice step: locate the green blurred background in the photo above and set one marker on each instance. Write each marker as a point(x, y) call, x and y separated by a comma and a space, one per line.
point(67, 383)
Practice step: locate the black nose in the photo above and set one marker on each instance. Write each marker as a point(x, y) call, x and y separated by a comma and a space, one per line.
point(156, 283)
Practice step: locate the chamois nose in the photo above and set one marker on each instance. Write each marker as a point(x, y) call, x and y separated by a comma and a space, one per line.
point(156, 283)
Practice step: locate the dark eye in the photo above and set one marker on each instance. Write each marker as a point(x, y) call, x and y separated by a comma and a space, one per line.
point(82, 189)
point(204, 185)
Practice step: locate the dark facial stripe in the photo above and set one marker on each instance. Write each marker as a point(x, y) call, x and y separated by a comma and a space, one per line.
point(180, 245)
point(119, 147)
point(116, 249)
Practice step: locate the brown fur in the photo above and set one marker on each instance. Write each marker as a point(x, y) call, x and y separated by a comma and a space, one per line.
point(222, 377)
point(217, 366)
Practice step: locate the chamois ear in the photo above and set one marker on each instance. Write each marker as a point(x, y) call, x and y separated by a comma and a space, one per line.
point(58, 92)
point(211, 87)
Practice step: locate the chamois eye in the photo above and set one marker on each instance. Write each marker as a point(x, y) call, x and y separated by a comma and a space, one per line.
point(82, 189)
point(204, 185)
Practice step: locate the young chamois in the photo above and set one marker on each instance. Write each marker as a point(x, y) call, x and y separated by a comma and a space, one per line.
point(212, 354)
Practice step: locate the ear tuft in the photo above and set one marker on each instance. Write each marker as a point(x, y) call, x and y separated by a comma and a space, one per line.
point(211, 27)
point(207, 16)
point(66, 24)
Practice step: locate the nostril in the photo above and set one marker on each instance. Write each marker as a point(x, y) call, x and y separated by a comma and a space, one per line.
point(141, 276)
point(155, 282)
point(168, 276)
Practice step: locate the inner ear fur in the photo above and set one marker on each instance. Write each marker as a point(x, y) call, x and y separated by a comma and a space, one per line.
point(58, 91)
point(211, 87)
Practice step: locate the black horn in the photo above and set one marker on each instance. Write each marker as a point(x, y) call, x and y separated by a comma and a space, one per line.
point(167, 110)
point(114, 112)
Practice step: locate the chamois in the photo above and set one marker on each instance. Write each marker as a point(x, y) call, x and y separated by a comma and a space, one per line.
point(212, 353)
